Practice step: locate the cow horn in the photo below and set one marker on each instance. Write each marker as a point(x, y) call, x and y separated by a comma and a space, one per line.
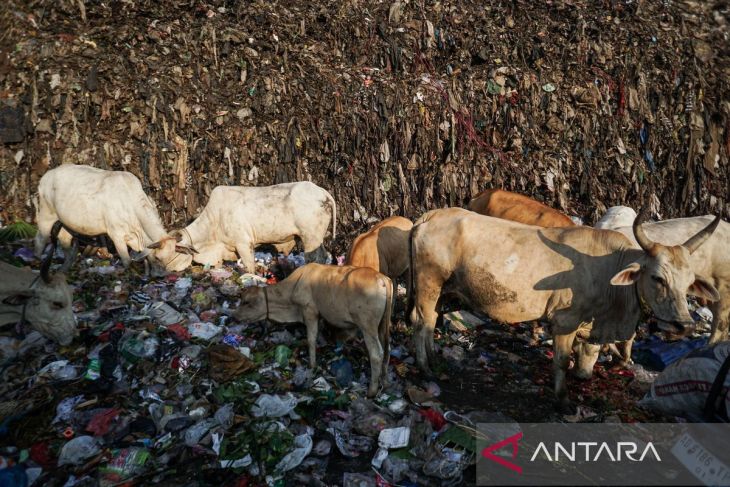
point(641, 237)
point(699, 238)
point(46, 263)
point(46, 266)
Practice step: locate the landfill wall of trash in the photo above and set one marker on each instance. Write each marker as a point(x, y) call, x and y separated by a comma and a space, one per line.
point(394, 107)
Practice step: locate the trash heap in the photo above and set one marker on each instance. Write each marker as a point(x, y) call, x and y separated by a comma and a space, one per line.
point(163, 385)
point(392, 106)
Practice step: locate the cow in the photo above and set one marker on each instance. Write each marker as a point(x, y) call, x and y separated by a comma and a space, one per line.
point(586, 282)
point(518, 208)
point(711, 261)
point(43, 300)
point(616, 217)
point(237, 219)
point(93, 202)
point(346, 297)
point(384, 247)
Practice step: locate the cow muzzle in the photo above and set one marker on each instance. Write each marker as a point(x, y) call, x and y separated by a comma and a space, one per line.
point(677, 327)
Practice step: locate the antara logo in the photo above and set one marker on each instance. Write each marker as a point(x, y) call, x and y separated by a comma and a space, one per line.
point(602, 451)
point(593, 451)
point(514, 440)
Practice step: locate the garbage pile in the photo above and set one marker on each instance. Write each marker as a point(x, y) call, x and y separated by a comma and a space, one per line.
point(163, 386)
point(391, 106)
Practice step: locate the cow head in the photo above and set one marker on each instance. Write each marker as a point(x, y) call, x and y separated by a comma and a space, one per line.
point(46, 305)
point(253, 306)
point(171, 254)
point(213, 254)
point(664, 277)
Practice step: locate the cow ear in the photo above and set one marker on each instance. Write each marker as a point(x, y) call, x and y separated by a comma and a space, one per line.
point(18, 299)
point(628, 276)
point(703, 289)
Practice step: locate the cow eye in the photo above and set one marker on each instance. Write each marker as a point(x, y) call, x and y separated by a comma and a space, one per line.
point(57, 305)
point(658, 280)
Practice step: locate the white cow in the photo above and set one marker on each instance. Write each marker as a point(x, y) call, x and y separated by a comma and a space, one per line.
point(237, 219)
point(711, 261)
point(616, 217)
point(92, 202)
point(44, 301)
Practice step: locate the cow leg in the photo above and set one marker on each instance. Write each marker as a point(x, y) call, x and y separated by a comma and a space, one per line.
point(286, 247)
point(311, 321)
point(563, 345)
point(386, 356)
point(720, 318)
point(317, 255)
point(625, 349)
point(375, 352)
point(424, 316)
point(245, 253)
point(120, 243)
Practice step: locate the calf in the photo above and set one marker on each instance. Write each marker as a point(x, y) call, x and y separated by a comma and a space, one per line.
point(587, 283)
point(346, 297)
point(93, 202)
point(238, 218)
point(43, 300)
point(383, 248)
point(518, 208)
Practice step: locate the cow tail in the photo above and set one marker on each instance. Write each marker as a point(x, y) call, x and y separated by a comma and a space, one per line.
point(334, 215)
point(411, 276)
point(384, 328)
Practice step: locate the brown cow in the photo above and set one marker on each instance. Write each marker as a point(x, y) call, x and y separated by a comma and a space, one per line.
point(346, 297)
point(383, 248)
point(518, 208)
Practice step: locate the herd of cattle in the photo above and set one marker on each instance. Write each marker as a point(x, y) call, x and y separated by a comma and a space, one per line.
point(507, 256)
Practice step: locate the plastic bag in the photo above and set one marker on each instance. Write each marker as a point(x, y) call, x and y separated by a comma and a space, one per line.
point(225, 416)
point(59, 370)
point(205, 331)
point(164, 314)
point(274, 406)
point(302, 448)
point(78, 450)
point(195, 433)
point(65, 408)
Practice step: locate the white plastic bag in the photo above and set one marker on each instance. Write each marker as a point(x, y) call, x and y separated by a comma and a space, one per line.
point(76, 451)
